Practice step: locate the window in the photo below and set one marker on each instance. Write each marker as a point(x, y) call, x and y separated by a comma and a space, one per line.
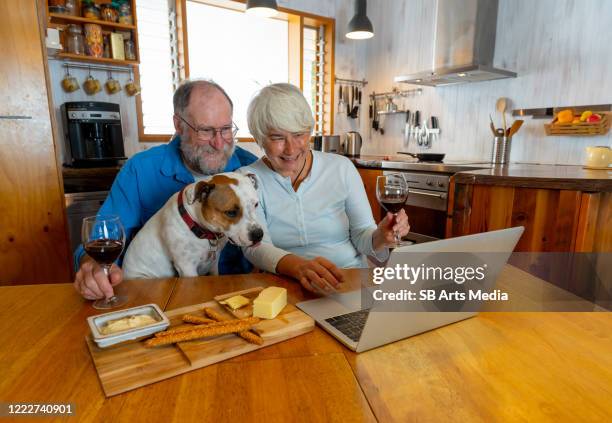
point(156, 71)
point(314, 73)
point(215, 39)
point(241, 61)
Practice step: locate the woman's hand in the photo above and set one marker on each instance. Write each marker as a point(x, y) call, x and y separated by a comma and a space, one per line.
point(384, 236)
point(318, 275)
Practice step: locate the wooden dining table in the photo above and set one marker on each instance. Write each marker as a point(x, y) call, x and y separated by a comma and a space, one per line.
point(497, 366)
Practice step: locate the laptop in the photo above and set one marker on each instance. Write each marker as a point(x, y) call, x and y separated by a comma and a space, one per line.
point(361, 327)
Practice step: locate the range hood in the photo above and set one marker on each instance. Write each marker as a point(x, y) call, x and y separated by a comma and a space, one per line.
point(464, 45)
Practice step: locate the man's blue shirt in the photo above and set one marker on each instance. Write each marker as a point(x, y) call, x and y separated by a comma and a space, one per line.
point(147, 180)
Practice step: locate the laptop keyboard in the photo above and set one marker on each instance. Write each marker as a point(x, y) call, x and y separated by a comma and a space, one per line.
point(350, 324)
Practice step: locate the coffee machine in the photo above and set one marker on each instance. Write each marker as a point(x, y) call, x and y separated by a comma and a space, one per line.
point(93, 132)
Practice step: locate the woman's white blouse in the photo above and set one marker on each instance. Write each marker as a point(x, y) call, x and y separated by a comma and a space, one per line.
point(328, 216)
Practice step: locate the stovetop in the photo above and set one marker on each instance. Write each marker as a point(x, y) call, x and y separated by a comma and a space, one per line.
point(413, 164)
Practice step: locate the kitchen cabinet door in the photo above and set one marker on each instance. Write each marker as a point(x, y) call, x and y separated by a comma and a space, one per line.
point(369, 182)
point(33, 239)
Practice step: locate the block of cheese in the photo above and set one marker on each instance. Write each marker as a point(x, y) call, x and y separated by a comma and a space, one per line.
point(270, 302)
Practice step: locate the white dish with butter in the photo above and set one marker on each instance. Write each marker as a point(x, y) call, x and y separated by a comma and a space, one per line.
point(125, 325)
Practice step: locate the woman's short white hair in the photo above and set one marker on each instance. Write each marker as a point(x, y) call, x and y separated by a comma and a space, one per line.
point(279, 107)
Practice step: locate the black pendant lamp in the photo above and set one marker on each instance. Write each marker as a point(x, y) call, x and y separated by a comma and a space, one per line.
point(360, 27)
point(263, 8)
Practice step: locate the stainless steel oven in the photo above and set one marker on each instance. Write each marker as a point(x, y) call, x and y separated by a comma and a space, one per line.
point(78, 206)
point(426, 205)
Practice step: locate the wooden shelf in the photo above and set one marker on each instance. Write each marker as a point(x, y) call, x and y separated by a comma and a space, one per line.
point(59, 19)
point(85, 58)
point(68, 19)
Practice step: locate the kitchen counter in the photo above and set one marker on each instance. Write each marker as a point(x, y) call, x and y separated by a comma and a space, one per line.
point(407, 163)
point(540, 176)
point(516, 174)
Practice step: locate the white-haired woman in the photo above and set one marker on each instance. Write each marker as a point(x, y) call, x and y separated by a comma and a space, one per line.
point(313, 205)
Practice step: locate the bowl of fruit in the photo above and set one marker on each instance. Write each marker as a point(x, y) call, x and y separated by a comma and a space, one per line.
point(587, 122)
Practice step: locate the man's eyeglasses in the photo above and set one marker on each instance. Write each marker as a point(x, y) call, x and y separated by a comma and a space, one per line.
point(227, 132)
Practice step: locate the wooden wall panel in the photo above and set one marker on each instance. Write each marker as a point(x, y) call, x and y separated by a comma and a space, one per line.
point(369, 182)
point(494, 208)
point(552, 218)
point(562, 230)
point(603, 233)
point(462, 209)
point(33, 237)
point(594, 231)
point(523, 211)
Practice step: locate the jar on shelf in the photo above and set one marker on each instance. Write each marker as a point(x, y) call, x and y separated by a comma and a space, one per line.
point(90, 10)
point(93, 40)
point(130, 50)
point(107, 48)
point(71, 7)
point(58, 9)
point(74, 40)
point(125, 13)
point(109, 12)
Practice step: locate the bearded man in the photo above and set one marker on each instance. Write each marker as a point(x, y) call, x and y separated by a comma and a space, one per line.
point(204, 144)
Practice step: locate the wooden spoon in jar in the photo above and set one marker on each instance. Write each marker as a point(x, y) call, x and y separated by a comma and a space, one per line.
point(501, 107)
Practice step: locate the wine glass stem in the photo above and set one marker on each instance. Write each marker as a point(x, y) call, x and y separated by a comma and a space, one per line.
point(396, 234)
point(107, 272)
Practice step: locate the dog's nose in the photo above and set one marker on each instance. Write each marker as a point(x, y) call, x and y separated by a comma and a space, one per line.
point(255, 234)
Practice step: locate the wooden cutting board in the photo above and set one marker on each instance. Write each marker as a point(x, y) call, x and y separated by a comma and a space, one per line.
point(128, 366)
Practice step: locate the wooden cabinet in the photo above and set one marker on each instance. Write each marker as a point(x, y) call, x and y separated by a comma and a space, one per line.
point(369, 182)
point(554, 220)
point(595, 223)
point(33, 238)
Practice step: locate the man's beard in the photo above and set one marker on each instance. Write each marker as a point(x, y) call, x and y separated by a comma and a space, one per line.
point(200, 157)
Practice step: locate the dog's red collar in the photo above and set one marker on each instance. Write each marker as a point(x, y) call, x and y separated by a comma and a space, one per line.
point(195, 228)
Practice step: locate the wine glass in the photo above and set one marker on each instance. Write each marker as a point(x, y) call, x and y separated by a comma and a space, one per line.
point(103, 238)
point(392, 192)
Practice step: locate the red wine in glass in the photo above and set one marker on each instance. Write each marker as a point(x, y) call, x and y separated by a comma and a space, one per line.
point(393, 205)
point(104, 251)
point(103, 238)
point(392, 192)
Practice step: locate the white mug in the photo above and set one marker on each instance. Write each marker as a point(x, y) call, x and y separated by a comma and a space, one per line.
point(600, 156)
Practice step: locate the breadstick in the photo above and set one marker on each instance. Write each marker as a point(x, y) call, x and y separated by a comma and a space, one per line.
point(178, 329)
point(249, 335)
point(215, 315)
point(188, 328)
point(202, 331)
point(188, 318)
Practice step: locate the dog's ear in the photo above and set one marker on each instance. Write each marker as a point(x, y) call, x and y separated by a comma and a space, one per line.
point(201, 191)
point(253, 179)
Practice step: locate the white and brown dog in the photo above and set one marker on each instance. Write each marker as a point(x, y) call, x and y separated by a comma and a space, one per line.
point(188, 233)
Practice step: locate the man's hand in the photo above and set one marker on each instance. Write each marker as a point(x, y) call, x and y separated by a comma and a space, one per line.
point(91, 281)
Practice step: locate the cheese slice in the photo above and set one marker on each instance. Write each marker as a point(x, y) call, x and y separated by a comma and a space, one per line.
point(270, 302)
point(236, 302)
